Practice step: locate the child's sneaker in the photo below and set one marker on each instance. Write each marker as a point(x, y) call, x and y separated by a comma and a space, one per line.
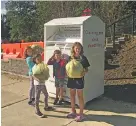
point(33, 99)
point(72, 115)
point(61, 102)
point(80, 118)
point(30, 102)
point(56, 101)
point(40, 114)
point(49, 108)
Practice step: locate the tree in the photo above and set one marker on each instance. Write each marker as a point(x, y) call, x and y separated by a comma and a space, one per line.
point(21, 16)
point(27, 18)
point(131, 5)
point(47, 10)
point(43, 15)
point(110, 11)
point(4, 28)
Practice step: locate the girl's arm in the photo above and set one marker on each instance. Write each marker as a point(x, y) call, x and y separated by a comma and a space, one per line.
point(86, 69)
point(29, 62)
point(35, 78)
point(85, 64)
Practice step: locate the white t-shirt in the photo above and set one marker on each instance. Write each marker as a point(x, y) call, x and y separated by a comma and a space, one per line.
point(38, 83)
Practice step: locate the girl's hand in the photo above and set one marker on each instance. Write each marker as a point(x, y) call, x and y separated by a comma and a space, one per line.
point(52, 58)
point(83, 73)
point(86, 70)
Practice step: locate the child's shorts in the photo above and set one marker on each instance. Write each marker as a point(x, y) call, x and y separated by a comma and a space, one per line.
point(60, 82)
point(75, 83)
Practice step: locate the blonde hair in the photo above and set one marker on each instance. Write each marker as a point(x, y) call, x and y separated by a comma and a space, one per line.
point(36, 56)
point(72, 50)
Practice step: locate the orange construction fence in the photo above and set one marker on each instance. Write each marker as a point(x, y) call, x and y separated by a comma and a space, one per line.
point(19, 47)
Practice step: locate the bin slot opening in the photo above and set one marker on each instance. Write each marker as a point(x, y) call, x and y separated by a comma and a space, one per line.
point(66, 34)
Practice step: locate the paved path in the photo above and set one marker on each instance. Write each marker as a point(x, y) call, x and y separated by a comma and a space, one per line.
point(99, 112)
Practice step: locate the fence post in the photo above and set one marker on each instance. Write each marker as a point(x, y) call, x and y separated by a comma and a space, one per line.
point(113, 39)
point(133, 24)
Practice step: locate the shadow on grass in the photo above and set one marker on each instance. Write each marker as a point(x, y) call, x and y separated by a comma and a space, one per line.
point(109, 67)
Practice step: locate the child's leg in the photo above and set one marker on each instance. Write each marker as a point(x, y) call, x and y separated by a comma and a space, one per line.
point(72, 98)
point(57, 96)
point(61, 93)
point(81, 100)
point(62, 83)
point(37, 97)
point(57, 92)
point(61, 100)
point(44, 91)
point(57, 88)
point(31, 89)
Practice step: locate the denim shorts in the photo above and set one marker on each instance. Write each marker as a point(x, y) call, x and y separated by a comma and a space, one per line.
point(60, 82)
point(75, 83)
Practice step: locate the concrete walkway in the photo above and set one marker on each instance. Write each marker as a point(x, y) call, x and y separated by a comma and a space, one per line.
point(99, 112)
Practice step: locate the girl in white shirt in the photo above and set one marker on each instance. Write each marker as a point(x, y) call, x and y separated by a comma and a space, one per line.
point(39, 83)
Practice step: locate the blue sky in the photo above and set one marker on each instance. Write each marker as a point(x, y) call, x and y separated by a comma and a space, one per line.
point(3, 10)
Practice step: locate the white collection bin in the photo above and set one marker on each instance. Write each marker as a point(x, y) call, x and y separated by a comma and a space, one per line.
point(61, 33)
